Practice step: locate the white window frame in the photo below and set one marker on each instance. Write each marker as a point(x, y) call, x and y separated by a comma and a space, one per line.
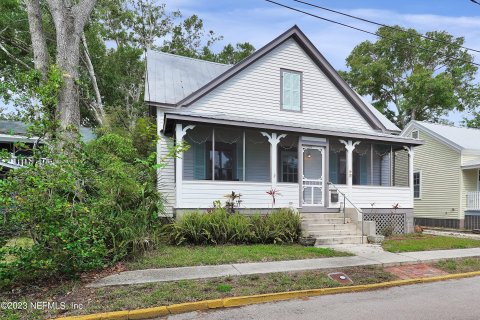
point(417, 132)
point(419, 185)
point(282, 72)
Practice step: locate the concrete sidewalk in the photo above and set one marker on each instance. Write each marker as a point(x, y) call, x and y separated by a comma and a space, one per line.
point(365, 255)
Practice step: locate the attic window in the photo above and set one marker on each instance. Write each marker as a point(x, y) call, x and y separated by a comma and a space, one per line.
point(415, 134)
point(291, 90)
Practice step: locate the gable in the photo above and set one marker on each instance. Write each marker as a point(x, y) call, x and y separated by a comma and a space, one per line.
point(255, 91)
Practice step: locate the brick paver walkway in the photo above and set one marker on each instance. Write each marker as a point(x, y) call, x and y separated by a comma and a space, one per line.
point(412, 271)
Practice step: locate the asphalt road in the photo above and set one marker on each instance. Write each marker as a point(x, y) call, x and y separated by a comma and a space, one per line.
point(453, 299)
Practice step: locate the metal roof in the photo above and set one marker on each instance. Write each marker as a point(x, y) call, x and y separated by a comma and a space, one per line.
point(225, 119)
point(472, 164)
point(18, 128)
point(171, 78)
point(457, 137)
point(389, 125)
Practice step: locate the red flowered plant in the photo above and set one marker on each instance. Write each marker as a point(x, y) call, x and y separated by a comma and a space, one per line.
point(273, 193)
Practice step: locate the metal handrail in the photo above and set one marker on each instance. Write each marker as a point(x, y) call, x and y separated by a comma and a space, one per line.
point(347, 199)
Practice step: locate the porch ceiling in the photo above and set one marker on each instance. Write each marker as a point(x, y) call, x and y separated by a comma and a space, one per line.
point(224, 119)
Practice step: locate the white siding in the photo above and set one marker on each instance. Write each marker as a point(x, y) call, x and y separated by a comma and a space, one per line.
point(380, 197)
point(255, 92)
point(201, 194)
point(165, 175)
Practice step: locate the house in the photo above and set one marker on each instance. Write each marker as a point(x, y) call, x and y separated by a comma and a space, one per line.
point(281, 119)
point(13, 132)
point(446, 175)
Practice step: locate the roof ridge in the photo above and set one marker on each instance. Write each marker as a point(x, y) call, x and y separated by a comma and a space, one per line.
point(188, 58)
point(446, 125)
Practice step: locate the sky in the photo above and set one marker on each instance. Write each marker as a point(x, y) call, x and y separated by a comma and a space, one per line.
point(258, 22)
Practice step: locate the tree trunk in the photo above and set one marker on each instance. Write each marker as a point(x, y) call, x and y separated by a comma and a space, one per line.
point(39, 43)
point(98, 106)
point(69, 24)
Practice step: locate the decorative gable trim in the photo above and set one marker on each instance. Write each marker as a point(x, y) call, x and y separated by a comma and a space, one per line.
point(296, 34)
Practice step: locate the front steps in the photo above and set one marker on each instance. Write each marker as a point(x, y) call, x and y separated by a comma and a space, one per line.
point(329, 228)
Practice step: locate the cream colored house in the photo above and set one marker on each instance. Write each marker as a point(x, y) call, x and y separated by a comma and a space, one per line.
point(446, 175)
point(281, 119)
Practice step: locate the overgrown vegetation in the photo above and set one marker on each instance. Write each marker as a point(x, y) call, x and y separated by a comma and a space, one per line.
point(86, 208)
point(221, 227)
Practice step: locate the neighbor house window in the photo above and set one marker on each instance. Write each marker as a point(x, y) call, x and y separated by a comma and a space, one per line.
point(417, 177)
point(291, 93)
point(415, 134)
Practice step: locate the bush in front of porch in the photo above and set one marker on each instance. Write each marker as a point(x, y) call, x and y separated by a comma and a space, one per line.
point(220, 227)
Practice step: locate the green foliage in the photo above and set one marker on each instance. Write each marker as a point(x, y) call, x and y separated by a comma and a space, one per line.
point(82, 211)
point(423, 79)
point(220, 227)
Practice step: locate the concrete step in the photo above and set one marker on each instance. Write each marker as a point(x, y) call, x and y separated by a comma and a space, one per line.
point(320, 215)
point(332, 233)
point(328, 226)
point(340, 240)
point(323, 220)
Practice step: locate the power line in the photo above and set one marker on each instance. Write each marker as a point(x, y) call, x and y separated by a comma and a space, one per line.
point(365, 31)
point(385, 25)
point(475, 1)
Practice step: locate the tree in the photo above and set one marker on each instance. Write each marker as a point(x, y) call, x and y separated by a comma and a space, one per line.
point(409, 77)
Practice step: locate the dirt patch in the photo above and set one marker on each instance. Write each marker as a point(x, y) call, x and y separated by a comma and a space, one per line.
point(415, 271)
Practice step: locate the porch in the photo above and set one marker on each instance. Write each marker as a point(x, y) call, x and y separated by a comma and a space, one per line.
point(221, 159)
point(473, 201)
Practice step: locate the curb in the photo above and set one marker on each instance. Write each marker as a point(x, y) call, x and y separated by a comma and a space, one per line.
point(255, 299)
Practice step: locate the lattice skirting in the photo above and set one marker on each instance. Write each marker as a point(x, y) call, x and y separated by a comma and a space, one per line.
point(383, 221)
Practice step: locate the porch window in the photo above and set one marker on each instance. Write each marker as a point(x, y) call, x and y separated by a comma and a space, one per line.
point(228, 154)
point(288, 159)
point(361, 164)
point(417, 181)
point(381, 165)
point(291, 92)
point(337, 162)
point(257, 157)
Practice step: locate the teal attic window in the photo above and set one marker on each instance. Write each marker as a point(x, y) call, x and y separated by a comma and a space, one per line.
point(291, 90)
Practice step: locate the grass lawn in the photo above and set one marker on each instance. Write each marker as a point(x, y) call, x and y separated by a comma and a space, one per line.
point(181, 256)
point(459, 266)
point(156, 294)
point(423, 242)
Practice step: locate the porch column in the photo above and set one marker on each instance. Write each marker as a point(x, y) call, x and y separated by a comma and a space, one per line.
point(410, 168)
point(349, 146)
point(274, 139)
point(180, 132)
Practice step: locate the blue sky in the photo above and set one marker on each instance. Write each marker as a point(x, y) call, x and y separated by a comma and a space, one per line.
point(258, 22)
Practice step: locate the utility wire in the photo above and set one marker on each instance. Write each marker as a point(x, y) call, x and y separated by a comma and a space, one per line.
point(385, 25)
point(366, 31)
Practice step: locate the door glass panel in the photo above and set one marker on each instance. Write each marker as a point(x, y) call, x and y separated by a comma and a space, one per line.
point(313, 163)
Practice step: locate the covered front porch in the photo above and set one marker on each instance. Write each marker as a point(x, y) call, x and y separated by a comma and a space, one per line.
point(306, 170)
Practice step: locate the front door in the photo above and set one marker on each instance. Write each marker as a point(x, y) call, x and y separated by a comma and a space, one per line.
point(313, 181)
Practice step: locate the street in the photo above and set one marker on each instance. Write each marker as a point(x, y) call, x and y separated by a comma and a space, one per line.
point(454, 299)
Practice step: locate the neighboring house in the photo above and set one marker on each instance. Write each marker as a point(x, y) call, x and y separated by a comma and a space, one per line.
point(281, 119)
point(446, 175)
point(12, 132)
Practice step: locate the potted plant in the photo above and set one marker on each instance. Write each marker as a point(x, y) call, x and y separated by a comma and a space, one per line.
point(307, 240)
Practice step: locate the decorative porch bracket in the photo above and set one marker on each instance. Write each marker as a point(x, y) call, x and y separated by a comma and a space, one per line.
point(350, 146)
point(411, 153)
point(180, 132)
point(274, 139)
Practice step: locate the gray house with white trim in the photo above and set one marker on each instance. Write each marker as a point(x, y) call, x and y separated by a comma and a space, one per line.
point(281, 119)
point(446, 175)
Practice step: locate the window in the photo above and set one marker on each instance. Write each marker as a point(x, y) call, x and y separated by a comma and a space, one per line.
point(337, 162)
point(291, 90)
point(227, 154)
point(478, 182)
point(415, 134)
point(417, 177)
point(361, 164)
point(288, 159)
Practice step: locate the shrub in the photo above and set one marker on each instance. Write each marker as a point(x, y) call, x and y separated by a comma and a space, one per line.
point(82, 211)
point(220, 227)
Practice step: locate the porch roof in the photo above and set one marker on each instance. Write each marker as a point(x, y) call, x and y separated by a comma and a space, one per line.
point(472, 164)
point(225, 119)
